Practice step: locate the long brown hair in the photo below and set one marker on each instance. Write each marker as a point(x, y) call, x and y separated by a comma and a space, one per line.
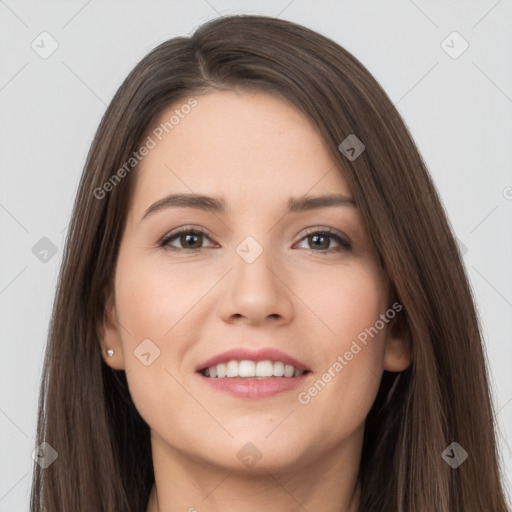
point(85, 411)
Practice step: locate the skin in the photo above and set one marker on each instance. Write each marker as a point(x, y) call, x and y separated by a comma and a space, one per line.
point(255, 151)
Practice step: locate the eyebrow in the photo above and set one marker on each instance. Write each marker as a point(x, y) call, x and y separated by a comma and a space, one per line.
point(218, 205)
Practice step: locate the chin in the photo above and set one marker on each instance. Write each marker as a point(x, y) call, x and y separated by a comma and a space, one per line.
point(251, 453)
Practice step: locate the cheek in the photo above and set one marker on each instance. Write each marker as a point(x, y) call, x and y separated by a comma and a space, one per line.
point(352, 345)
point(168, 304)
point(151, 311)
point(154, 298)
point(341, 303)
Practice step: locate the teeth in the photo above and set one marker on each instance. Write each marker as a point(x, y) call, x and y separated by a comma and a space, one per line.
point(278, 369)
point(246, 368)
point(264, 369)
point(289, 370)
point(221, 370)
point(232, 369)
point(249, 369)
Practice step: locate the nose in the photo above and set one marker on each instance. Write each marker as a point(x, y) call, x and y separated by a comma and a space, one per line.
point(256, 293)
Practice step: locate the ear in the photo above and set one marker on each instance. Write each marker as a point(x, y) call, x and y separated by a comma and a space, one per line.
point(398, 351)
point(109, 335)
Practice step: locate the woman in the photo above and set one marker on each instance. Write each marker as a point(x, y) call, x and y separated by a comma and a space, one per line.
point(261, 304)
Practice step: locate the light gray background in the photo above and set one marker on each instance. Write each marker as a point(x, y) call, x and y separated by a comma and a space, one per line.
point(458, 110)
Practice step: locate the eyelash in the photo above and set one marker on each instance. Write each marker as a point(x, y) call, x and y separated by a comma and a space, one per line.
point(345, 244)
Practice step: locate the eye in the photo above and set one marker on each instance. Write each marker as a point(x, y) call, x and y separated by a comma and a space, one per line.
point(191, 240)
point(320, 240)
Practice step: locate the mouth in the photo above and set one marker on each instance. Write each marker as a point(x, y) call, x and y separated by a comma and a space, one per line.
point(255, 370)
point(245, 373)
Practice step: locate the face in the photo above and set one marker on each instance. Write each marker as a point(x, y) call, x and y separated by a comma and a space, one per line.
point(244, 277)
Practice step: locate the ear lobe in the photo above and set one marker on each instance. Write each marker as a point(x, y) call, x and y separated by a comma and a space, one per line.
point(398, 350)
point(109, 336)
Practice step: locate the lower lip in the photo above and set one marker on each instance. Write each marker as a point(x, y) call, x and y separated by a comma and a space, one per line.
point(255, 388)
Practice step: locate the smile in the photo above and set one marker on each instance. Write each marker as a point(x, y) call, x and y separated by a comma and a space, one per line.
point(247, 369)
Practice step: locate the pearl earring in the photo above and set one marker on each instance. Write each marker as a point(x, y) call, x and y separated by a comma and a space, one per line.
point(110, 352)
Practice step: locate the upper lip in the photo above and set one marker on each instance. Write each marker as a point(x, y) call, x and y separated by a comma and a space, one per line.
point(264, 354)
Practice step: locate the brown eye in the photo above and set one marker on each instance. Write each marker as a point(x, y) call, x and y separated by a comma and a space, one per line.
point(320, 241)
point(189, 240)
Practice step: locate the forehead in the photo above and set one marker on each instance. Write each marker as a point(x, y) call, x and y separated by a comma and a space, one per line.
point(244, 144)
